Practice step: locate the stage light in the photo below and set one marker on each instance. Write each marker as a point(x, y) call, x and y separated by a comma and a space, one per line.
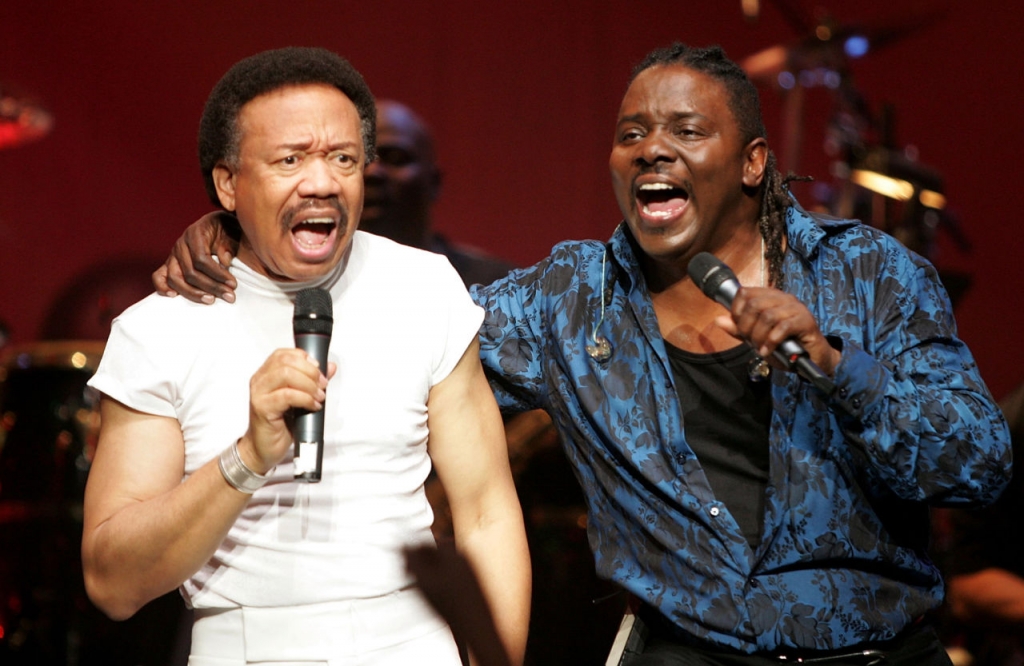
point(931, 199)
point(856, 46)
point(894, 188)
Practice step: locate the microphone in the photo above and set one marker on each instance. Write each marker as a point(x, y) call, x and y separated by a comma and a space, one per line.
point(312, 324)
point(719, 283)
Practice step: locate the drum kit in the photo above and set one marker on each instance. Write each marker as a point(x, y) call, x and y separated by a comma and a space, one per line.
point(875, 180)
point(49, 423)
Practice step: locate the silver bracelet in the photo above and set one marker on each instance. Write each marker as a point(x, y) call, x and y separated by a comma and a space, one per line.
point(237, 473)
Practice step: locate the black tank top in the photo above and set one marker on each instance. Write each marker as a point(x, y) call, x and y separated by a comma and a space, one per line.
point(726, 418)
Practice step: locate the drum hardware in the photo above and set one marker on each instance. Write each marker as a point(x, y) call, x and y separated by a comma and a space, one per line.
point(821, 58)
point(49, 426)
point(874, 181)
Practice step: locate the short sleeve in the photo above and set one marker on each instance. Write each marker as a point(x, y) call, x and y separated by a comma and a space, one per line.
point(459, 324)
point(133, 369)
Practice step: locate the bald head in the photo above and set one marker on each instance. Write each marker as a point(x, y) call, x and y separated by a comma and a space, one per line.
point(400, 118)
point(404, 181)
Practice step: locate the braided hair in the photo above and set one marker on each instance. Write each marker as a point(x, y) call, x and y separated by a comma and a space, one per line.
point(746, 108)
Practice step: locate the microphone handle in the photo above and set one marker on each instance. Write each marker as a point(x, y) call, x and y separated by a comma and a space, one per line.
point(792, 355)
point(308, 430)
point(789, 353)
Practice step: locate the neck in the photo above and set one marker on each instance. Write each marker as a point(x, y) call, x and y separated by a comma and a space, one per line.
point(741, 250)
point(685, 315)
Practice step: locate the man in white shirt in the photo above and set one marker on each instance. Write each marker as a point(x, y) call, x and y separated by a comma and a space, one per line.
point(193, 482)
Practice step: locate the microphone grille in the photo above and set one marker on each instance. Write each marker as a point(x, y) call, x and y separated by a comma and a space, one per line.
point(707, 272)
point(314, 311)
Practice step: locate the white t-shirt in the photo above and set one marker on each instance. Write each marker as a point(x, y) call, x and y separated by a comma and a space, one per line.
point(402, 320)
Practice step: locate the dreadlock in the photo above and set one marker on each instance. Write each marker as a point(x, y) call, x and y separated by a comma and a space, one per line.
point(746, 108)
point(771, 220)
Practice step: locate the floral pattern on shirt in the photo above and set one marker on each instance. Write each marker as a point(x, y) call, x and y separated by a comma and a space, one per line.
point(842, 558)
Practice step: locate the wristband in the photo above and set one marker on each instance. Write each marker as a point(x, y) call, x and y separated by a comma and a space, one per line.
point(237, 473)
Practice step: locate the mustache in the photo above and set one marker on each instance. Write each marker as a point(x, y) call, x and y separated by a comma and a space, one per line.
point(319, 204)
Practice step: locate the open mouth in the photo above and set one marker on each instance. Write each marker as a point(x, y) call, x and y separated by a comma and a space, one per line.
point(314, 232)
point(661, 200)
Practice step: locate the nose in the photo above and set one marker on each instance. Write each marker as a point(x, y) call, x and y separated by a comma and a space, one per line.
point(318, 179)
point(655, 148)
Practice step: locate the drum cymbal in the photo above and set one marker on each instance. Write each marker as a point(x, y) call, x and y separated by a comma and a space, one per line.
point(829, 45)
point(21, 119)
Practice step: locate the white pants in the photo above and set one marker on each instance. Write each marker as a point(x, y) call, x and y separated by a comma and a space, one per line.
point(396, 630)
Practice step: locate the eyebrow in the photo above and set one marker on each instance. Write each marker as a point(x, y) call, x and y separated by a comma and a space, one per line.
point(303, 145)
point(679, 115)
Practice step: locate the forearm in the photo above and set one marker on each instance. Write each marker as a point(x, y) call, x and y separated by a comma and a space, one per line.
point(988, 595)
point(145, 531)
point(497, 550)
point(925, 423)
point(148, 548)
point(468, 450)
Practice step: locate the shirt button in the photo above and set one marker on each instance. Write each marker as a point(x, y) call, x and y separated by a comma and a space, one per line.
point(714, 511)
point(753, 583)
point(856, 403)
point(843, 392)
point(680, 458)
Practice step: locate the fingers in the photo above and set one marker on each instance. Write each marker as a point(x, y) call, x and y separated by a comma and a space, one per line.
point(289, 379)
point(197, 267)
point(202, 277)
point(223, 242)
point(224, 258)
point(160, 282)
point(169, 280)
point(201, 242)
point(766, 317)
point(726, 323)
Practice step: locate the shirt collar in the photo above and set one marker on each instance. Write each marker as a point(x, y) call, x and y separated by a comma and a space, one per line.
point(805, 231)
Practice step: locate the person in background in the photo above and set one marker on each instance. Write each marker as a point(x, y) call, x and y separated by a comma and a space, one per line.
point(402, 186)
point(984, 563)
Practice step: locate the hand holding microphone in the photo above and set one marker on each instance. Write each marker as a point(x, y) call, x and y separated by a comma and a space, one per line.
point(719, 283)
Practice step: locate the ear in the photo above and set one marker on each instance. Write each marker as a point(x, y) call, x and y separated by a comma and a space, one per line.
point(224, 181)
point(756, 158)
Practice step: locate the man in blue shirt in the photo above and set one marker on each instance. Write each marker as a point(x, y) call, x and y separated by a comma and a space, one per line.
point(754, 516)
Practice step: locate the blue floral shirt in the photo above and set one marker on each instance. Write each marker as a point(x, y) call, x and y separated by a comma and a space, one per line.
point(842, 556)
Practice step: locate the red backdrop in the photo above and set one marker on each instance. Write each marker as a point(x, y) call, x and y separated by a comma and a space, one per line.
point(522, 97)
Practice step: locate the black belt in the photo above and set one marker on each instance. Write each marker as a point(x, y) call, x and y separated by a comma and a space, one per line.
point(860, 657)
point(862, 654)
